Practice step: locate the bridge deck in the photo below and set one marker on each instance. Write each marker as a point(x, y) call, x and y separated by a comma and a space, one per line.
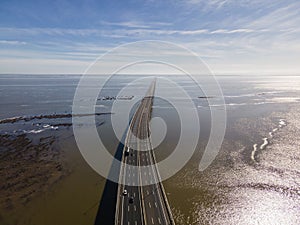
point(148, 204)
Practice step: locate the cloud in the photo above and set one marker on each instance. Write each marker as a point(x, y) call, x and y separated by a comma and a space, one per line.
point(211, 3)
point(42, 66)
point(219, 4)
point(135, 24)
point(6, 42)
point(11, 31)
point(116, 33)
point(263, 35)
point(286, 18)
point(234, 31)
point(152, 32)
point(81, 32)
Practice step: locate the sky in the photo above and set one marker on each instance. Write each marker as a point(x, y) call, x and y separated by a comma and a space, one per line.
point(230, 36)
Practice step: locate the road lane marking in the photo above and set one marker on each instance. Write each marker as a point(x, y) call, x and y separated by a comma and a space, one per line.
point(135, 223)
point(133, 194)
point(149, 204)
point(152, 220)
point(155, 204)
point(134, 207)
point(159, 220)
point(147, 192)
point(128, 208)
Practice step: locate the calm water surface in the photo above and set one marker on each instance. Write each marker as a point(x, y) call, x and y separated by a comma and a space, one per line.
point(255, 178)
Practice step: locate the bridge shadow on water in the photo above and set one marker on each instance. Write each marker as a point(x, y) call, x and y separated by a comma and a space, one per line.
point(107, 205)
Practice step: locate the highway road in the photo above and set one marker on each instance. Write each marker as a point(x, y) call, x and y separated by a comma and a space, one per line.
point(144, 203)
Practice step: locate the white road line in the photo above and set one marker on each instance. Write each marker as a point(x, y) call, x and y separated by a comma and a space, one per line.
point(155, 204)
point(128, 223)
point(147, 192)
point(152, 220)
point(134, 207)
point(149, 204)
point(128, 208)
point(133, 194)
point(135, 223)
point(159, 220)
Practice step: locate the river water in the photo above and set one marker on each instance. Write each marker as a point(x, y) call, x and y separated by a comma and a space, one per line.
point(255, 178)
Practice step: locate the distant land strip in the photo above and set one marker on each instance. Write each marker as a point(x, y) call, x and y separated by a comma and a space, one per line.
point(51, 116)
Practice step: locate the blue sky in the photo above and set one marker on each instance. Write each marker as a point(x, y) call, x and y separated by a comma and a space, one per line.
point(231, 36)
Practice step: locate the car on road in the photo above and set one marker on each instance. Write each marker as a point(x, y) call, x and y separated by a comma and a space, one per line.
point(127, 151)
point(131, 200)
point(125, 192)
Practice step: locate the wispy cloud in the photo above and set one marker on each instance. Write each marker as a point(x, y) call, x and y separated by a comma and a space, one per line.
point(240, 34)
point(118, 33)
point(48, 31)
point(211, 3)
point(42, 66)
point(218, 4)
point(283, 19)
point(135, 24)
point(6, 42)
point(234, 31)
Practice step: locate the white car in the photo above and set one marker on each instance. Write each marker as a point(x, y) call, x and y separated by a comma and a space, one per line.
point(127, 151)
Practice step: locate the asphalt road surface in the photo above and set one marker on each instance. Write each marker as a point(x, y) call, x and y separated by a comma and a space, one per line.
point(143, 200)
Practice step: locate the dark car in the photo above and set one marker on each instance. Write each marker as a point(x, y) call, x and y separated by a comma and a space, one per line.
point(131, 200)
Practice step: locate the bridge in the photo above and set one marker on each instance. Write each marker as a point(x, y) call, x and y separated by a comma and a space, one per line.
point(141, 198)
